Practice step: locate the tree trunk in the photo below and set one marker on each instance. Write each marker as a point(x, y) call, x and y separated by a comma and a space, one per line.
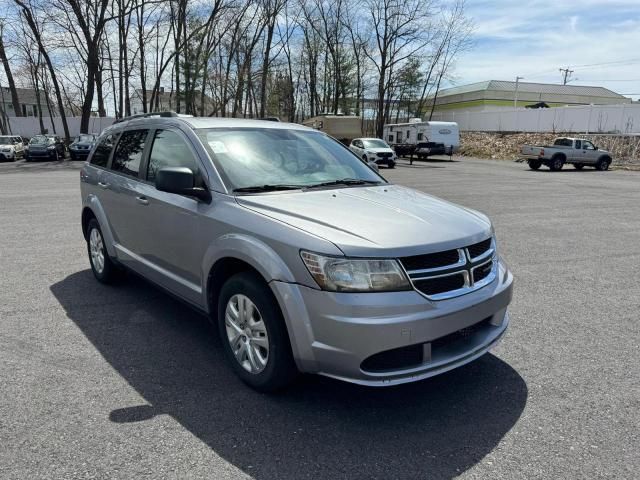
point(12, 86)
point(265, 68)
point(36, 33)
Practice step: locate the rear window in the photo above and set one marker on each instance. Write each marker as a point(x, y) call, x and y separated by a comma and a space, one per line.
point(563, 142)
point(102, 152)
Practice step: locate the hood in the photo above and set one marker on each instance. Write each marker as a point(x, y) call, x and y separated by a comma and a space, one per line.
point(81, 144)
point(386, 220)
point(379, 150)
point(38, 146)
point(6, 145)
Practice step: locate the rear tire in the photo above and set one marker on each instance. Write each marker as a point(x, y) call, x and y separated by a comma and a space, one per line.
point(255, 338)
point(603, 164)
point(535, 164)
point(102, 266)
point(556, 164)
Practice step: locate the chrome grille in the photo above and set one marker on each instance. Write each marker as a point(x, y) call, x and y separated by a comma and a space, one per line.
point(452, 273)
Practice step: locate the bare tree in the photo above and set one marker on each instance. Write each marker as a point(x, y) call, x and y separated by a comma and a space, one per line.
point(399, 34)
point(15, 101)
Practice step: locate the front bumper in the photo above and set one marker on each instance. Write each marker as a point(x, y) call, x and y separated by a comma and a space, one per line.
point(384, 161)
point(334, 333)
point(79, 153)
point(7, 155)
point(47, 154)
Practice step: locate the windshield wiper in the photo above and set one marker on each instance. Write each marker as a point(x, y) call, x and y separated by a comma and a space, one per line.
point(266, 188)
point(345, 181)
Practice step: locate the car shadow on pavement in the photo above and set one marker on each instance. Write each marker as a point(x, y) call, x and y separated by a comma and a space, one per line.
point(317, 428)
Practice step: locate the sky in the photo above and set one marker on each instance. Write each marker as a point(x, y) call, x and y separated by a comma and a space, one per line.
point(598, 39)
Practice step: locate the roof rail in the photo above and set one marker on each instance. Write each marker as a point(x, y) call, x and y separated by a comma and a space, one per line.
point(150, 114)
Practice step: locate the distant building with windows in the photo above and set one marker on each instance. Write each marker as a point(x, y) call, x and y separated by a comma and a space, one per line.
point(28, 102)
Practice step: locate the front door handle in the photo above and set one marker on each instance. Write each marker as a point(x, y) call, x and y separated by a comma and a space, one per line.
point(142, 200)
point(103, 185)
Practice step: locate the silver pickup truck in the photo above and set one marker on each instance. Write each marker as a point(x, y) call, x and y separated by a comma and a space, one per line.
point(577, 151)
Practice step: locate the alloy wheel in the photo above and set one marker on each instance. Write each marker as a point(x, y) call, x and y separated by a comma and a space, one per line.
point(247, 334)
point(96, 248)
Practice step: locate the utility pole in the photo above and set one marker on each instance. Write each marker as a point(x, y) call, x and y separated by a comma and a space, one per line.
point(515, 96)
point(566, 75)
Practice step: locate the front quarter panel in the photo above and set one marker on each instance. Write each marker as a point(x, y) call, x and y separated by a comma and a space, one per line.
point(268, 245)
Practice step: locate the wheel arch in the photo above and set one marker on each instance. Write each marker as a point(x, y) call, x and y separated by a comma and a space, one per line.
point(93, 209)
point(87, 215)
point(234, 253)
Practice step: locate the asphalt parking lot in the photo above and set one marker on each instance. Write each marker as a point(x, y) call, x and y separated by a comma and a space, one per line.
point(125, 382)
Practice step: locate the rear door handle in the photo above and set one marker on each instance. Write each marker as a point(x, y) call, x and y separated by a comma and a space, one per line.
point(103, 185)
point(142, 200)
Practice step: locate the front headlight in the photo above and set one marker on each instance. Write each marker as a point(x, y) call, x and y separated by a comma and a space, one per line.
point(342, 274)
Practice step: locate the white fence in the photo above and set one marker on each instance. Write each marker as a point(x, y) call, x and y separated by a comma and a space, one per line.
point(623, 118)
point(30, 126)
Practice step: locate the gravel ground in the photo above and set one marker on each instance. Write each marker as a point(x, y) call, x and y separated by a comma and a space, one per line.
point(125, 382)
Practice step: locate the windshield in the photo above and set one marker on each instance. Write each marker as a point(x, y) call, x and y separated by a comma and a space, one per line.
point(374, 143)
point(6, 140)
point(85, 138)
point(251, 157)
point(40, 140)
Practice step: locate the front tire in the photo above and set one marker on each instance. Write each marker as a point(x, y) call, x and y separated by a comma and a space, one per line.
point(102, 266)
point(603, 164)
point(253, 333)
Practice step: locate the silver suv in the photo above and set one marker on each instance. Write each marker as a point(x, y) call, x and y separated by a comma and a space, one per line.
point(305, 258)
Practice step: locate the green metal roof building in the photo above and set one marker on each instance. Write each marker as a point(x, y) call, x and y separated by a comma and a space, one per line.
point(500, 94)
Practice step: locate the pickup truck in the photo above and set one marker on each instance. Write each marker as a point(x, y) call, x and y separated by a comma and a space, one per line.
point(576, 151)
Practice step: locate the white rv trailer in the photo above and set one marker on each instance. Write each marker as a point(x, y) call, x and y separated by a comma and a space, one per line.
point(423, 138)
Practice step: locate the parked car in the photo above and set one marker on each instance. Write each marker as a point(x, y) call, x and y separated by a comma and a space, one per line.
point(81, 146)
point(11, 147)
point(46, 147)
point(305, 259)
point(374, 150)
point(577, 151)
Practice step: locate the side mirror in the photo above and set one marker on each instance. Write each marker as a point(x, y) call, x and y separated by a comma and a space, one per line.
point(181, 181)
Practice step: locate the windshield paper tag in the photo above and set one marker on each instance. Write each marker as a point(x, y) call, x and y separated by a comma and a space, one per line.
point(217, 146)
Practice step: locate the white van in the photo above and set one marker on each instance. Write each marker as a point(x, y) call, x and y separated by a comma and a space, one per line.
point(423, 138)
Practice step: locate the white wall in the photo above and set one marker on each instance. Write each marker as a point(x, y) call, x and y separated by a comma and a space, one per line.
point(580, 119)
point(30, 126)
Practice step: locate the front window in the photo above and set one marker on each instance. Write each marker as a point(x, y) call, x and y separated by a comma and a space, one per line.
point(374, 143)
point(248, 157)
point(6, 140)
